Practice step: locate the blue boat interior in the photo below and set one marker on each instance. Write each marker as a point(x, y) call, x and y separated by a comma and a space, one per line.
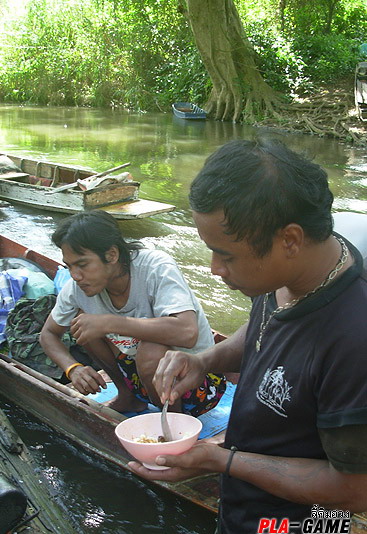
point(214, 421)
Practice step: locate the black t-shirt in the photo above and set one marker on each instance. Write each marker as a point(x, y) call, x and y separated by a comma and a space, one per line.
point(303, 395)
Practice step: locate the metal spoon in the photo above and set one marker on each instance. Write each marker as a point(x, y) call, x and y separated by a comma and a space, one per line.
point(167, 434)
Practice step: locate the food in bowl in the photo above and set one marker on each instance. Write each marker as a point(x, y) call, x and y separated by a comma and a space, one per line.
point(139, 435)
point(147, 439)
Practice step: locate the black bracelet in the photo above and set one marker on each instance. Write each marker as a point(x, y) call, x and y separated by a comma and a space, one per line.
point(230, 458)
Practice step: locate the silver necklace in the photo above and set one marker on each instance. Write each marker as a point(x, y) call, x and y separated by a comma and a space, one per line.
point(332, 274)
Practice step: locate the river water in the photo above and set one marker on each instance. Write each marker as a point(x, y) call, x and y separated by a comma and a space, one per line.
point(165, 155)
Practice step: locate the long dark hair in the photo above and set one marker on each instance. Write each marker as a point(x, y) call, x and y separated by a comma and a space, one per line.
point(262, 186)
point(95, 230)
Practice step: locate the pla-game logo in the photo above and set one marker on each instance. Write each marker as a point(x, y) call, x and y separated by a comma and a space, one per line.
point(322, 521)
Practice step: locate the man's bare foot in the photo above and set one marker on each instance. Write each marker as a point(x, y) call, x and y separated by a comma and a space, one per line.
point(120, 403)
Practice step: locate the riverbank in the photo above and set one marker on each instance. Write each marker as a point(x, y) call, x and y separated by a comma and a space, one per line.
point(326, 112)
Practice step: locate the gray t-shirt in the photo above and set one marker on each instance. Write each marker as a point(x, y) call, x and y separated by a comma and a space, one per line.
point(157, 289)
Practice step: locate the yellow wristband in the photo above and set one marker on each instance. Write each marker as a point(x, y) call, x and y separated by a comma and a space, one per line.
point(67, 371)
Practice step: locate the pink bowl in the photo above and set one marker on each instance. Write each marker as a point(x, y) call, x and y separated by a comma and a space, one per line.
point(185, 431)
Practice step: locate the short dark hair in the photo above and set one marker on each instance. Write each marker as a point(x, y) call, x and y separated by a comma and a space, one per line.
point(262, 186)
point(95, 230)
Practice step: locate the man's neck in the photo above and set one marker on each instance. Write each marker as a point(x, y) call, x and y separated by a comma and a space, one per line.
point(119, 284)
point(315, 265)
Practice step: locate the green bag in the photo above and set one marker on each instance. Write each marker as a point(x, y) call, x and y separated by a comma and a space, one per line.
point(23, 327)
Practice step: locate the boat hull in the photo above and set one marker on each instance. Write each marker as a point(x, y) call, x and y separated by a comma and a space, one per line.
point(81, 419)
point(87, 423)
point(34, 187)
point(186, 110)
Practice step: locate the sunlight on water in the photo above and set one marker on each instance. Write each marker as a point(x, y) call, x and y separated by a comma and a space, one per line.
point(94, 518)
point(351, 204)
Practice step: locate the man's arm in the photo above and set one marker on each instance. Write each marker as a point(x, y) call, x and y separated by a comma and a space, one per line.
point(300, 480)
point(189, 370)
point(84, 378)
point(303, 480)
point(180, 329)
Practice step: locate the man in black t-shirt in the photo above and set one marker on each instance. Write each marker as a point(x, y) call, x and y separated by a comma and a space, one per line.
point(298, 426)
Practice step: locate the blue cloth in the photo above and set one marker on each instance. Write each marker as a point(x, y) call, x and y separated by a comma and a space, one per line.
point(213, 421)
point(11, 289)
point(61, 277)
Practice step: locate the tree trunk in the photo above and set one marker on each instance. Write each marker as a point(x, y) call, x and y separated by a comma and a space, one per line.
point(331, 5)
point(239, 91)
point(281, 8)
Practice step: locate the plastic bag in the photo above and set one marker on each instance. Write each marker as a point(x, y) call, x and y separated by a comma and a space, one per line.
point(38, 283)
point(11, 289)
point(61, 277)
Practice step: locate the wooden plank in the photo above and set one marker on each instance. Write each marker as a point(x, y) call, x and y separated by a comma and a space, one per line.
point(46, 169)
point(95, 430)
point(99, 175)
point(17, 464)
point(10, 248)
point(34, 196)
point(107, 195)
point(138, 209)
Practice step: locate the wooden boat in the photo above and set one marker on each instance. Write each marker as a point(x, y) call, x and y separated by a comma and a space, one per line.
point(185, 110)
point(83, 420)
point(56, 187)
point(360, 90)
point(26, 497)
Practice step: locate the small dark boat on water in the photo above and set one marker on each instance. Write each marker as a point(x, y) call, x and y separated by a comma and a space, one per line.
point(185, 110)
point(28, 503)
point(360, 90)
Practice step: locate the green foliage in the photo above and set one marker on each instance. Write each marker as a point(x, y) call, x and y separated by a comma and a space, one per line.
point(280, 66)
point(352, 20)
point(134, 54)
point(327, 57)
point(140, 54)
point(304, 54)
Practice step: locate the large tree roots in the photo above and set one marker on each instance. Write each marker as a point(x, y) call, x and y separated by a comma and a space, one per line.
point(323, 116)
point(236, 108)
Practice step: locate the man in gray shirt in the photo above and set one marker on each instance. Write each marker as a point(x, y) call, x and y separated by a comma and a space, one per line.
point(127, 306)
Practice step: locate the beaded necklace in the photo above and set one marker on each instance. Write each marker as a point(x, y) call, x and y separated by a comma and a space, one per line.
point(332, 274)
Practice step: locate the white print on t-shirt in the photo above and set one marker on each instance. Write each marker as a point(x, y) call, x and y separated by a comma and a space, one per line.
point(274, 390)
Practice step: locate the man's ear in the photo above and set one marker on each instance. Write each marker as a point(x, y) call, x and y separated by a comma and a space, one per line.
point(112, 255)
point(293, 238)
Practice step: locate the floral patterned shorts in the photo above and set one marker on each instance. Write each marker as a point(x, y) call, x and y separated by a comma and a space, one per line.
point(194, 402)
